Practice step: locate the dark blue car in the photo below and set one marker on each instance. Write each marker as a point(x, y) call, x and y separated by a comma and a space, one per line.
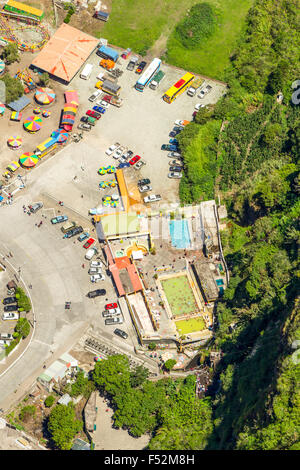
point(173, 141)
point(99, 109)
point(124, 165)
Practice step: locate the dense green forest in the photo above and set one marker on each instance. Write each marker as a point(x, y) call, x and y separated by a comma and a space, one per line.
point(246, 150)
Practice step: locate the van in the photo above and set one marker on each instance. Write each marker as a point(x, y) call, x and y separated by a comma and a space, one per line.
point(35, 207)
point(68, 226)
point(86, 72)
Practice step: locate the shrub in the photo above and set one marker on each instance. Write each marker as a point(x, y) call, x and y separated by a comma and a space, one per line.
point(22, 327)
point(199, 24)
point(13, 88)
point(169, 364)
point(49, 401)
point(23, 301)
point(26, 412)
point(152, 346)
point(44, 79)
point(10, 54)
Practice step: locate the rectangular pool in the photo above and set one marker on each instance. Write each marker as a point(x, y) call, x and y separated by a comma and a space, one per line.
point(180, 234)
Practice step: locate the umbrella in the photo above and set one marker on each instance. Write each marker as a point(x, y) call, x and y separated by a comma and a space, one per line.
point(2, 108)
point(44, 95)
point(46, 113)
point(28, 159)
point(33, 123)
point(37, 110)
point(62, 137)
point(15, 141)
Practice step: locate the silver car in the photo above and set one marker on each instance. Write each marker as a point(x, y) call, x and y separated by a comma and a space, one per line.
point(175, 175)
point(95, 271)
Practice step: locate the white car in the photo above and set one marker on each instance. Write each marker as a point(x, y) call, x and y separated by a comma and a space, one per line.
point(198, 106)
point(118, 153)
point(90, 253)
point(95, 271)
point(100, 76)
point(114, 311)
point(104, 104)
point(175, 175)
point(112, 148)
point(96, 264)
point(174, 155)
point(180, 123)
point(97, 277)
point(10, 316)
point(95, 95)
point(139, 164)
point(145, 188)
point(152, 198)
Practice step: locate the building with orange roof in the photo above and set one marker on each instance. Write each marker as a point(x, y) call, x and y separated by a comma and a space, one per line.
point(124, 273)
point(65, 53)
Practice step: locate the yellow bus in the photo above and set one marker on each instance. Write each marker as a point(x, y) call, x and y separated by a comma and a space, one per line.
point(178, 87)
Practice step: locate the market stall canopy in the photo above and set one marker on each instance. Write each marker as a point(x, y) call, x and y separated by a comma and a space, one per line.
point(44, 95)
point(13, 166)
point(15, 141)
point(15, 116)
point(60, 135)
point(33, 123)
point(28, 160)
point(2, 108)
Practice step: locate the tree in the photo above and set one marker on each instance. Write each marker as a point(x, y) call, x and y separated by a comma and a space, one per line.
point(44, 79)
point(82, 386)
point(138, 376)
point(63, 426)
point(23, 301)
point(169, 364)
point(11, 54)
point(152, 346)
point(49, 401)
point(13, 88)
point(27, 412)
point(113, 374)
point(22, 327)
point(199, 24)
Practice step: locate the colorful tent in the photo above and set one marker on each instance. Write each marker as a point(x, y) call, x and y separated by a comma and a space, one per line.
point(33, 123)
point(46, 113)
point(44, 95)
point(28, 160)
point(15, 141)
point(13, 166)
point(2, 108)
point(15, 116)
point(60, 135)
point(37, 110)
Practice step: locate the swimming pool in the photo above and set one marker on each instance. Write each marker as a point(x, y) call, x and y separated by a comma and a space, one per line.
point(180, 234)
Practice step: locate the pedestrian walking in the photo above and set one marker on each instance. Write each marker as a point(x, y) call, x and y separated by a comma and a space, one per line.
point(82, 266)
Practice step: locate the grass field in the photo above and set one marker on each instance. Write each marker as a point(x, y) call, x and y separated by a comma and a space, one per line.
point(184, 327)
point(179, 295)
point(145, 25)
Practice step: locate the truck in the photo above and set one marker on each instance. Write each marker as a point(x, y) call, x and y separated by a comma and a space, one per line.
point(110, 87)
point(152, 198)
point(205, 91)
point(108, 53)
point(192, 90)
point(107, 64)
point(86, 72)
point(157, 79)
point(101, 15)
point(113, 100)
point(132, 63)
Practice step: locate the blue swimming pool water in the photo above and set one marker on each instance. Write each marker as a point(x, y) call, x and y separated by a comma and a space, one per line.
point(180, 235)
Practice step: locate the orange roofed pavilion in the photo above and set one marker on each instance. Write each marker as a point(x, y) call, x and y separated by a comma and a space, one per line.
point(65, 52)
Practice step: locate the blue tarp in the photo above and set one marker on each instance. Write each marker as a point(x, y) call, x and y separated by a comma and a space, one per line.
point(19, 104)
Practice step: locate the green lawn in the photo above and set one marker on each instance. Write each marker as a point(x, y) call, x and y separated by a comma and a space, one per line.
point(184, 327)
point(179, 295)
point(138, 24)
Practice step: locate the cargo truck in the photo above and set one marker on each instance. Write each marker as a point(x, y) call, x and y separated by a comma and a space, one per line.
point(157, 79)
point(192, 90)
point(108, 53)
point(111, 88)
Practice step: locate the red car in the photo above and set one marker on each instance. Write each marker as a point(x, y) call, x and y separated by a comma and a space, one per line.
point(107, 98)
point(134, 160)
point(89, 242)
point(109, 306)
point(93, 114)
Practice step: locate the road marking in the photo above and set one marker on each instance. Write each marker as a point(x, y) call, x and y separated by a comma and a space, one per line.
point(41, 342)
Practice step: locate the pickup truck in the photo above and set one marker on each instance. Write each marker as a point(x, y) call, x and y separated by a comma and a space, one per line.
point(205, 91)
point(192, 90)
point(152, 198)
point(113, 100)
point(132, 63)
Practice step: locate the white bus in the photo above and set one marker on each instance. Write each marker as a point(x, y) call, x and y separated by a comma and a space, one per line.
point(148, 75)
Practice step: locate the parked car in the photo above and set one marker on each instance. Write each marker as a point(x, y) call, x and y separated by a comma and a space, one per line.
point(198, 106)
point(204, 91)
point(96, 293)
point(139, 164)
point(74, 231)
point(108, 314)
point(83, 236)
point(103, 103)
point(96, 211)
point(93, 114)
point(141, 67)
point(35, 207)
point(6, 336)
point(174, 133)
point(110, 306)
point(95, 95)
point(9, 300)
point(10, 316)
point(97, 277)
point(90, 253)
point(68, 226)
point(128, 154)
point(89, 242)
point(123, 165)
point(152, 198)
point(134, 160)
point(173, 141)
point(180, 122)
point(112, 320)
point(175, 168)
point(96, 264)
point(88, 120)
point(118, 153)
point(174, 155)
point(175, 175)
point(178, 129)
point(170, 147)
point(121, 333)
point(58, 219)
point(112, 148)
point(95, 271)
point(145, 188)
point(99, 109)
point(84, 126)
point(10, 308)
point(143, 181)
point(176, 163)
